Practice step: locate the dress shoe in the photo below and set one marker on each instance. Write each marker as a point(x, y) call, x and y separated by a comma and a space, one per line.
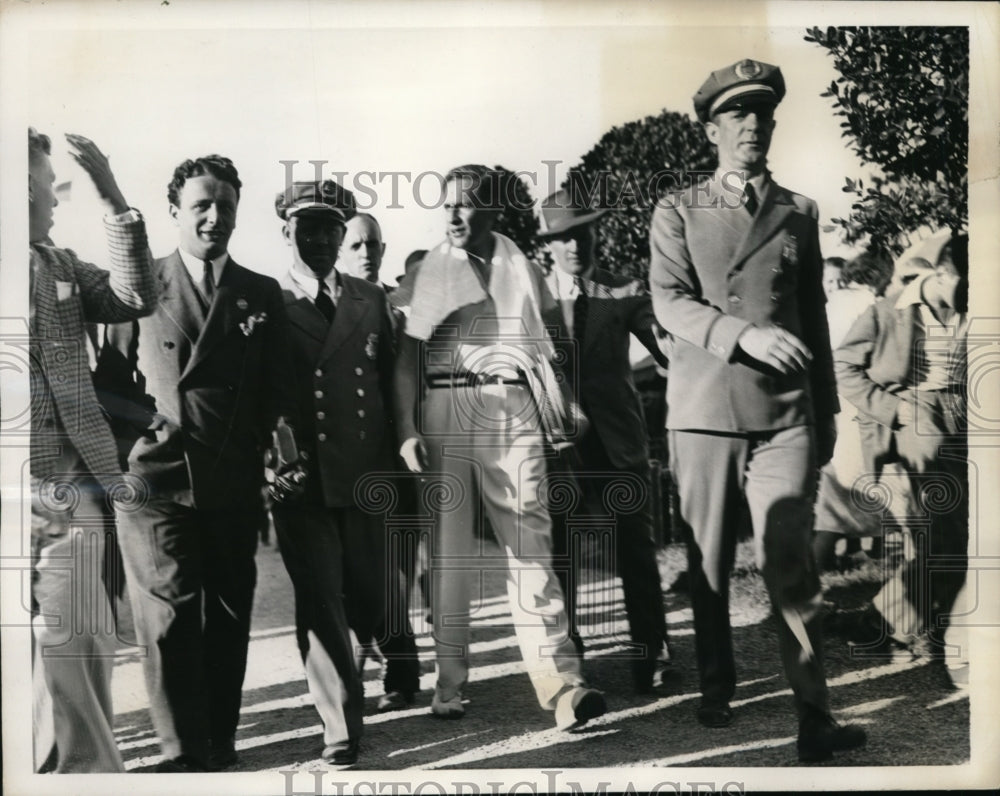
point(182, 764)
point(715, 714)
point(447, 708)
point(578, 706)
point(222, 755)
point(648, 675)
point(394, 700)
point(343, 753)
point(820, 736)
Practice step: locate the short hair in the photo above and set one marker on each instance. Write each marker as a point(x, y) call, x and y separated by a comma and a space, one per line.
point(485, 184)
point(413, 259)
point(835, 262)
point(217, 166)
point(38, 144)
point(869, 269)
point(371, 218)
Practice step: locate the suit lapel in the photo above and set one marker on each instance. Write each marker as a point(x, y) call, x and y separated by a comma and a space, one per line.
point(43, 292)
point(600, 296)
point(178, 299)
point(906, 318)
point(302, 312)
point(224, 314)
point(351, 310)
point(775, 207)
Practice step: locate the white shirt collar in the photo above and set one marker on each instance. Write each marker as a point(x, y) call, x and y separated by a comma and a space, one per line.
point(566, 283)
point(310, 284)
point(758, 181)
point(196, 267)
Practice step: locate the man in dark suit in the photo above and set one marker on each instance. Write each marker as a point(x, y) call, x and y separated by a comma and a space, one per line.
point(215, 360)
point(335, 550)
point(736, 277)
point(601, 311)
point(74, 464)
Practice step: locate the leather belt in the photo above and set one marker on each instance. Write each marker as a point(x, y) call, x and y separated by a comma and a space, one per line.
point(472, 380)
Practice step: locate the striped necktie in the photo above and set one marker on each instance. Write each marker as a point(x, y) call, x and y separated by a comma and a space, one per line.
point(580, 309)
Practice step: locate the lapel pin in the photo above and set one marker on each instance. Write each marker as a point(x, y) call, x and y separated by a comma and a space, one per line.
point(241, 303)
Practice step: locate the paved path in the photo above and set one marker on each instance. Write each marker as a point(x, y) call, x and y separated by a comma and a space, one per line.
point(910, 713)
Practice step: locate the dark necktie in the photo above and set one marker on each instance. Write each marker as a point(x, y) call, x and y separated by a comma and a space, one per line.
point(323, 301)
point(752, 203)
point(580, 310)
point(208, 281)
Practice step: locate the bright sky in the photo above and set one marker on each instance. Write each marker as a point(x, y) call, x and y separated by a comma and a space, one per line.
point(395, 99)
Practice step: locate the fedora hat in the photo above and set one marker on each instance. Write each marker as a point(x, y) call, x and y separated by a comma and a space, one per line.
point(561, 212)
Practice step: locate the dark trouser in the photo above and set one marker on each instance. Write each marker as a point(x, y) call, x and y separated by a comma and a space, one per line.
point(310, 542)
point(774, 474)
point(394, 636)
point(620, 495)
point(377, 607)
point(181, 562)
point(934, 453)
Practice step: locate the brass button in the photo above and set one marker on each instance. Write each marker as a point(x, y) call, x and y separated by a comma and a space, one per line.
point(321, 415)
point(318, 393)
point(321, 437)
point(361, 413)
point(318, 374)
point(358, 372)
point(361, 434)
point(361, 393)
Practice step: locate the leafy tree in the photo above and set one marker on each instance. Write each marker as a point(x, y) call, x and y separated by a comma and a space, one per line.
point(903, 96)
point(517, 218)
point(631, 167)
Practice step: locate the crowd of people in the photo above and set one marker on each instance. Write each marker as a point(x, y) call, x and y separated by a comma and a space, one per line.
point(231, 394)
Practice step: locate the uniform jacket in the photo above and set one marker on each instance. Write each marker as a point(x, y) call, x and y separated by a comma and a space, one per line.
point(601, 371)
point(218, 382)
point(714, 271)
point(874, 366)
point(344, 377)
point(66, 293)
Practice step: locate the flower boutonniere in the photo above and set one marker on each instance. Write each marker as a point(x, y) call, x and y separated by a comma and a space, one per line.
point(790, 251)
point(371, 347)
point(252, 322)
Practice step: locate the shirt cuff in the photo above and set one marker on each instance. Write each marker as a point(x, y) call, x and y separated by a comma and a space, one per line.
point(130, 216)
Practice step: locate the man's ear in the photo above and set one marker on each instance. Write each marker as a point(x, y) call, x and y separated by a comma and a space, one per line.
point(173, 210)
point(286, 233)
point(383, 250)
point(712, 132)
point(31, 188)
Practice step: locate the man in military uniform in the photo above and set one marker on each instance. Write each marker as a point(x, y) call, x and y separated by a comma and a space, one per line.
point(736, 276)
point(342, 351)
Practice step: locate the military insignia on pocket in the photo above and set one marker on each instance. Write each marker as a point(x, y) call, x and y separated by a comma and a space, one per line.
point(371, 347)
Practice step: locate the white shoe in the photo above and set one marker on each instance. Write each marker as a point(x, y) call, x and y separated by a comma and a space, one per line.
point(447, 708)
point(578, 706)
